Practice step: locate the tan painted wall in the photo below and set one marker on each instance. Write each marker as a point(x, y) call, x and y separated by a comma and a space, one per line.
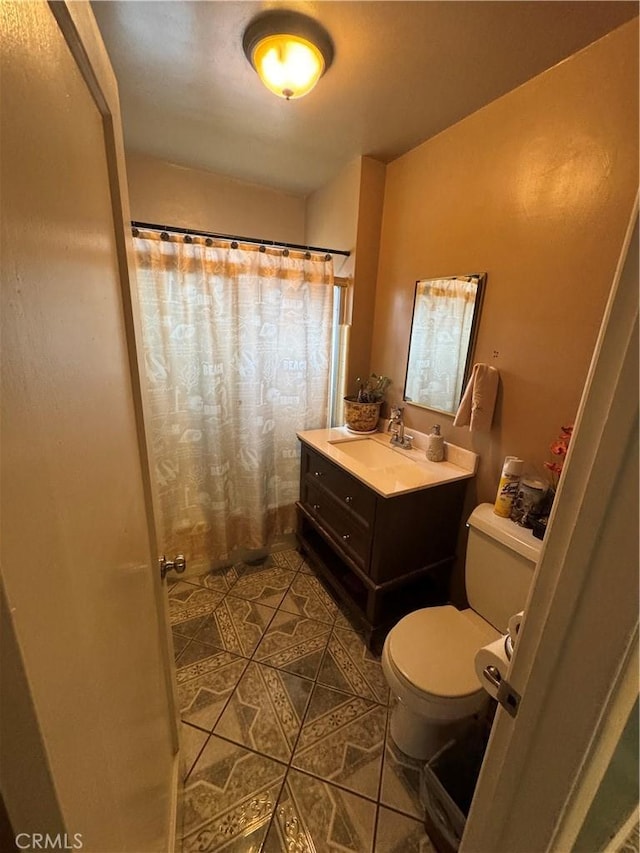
point(347, 214)
point(370, 207)
point(536, 190)
point(168, 194)
point(332, 215)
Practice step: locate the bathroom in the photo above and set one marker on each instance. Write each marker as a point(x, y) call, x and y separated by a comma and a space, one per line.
point(562, 171)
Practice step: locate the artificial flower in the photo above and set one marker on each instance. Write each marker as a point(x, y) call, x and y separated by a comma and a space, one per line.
point(559, 448)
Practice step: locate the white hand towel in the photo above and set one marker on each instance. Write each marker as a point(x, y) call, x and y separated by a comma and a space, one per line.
point(479, 399)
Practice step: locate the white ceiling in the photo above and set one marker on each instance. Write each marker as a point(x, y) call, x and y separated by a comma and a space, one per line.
point(403, 71)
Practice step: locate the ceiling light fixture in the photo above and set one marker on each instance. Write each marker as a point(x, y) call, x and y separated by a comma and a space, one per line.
point(289, 51)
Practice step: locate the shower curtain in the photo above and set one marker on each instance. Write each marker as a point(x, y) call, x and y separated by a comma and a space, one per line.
point(237, 346)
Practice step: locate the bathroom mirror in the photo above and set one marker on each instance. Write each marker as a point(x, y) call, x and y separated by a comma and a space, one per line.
point(443, 330)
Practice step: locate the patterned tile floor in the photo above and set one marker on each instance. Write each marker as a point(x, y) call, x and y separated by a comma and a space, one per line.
point(285, 720)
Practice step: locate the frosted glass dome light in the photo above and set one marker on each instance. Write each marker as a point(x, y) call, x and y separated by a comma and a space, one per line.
point(289, 52)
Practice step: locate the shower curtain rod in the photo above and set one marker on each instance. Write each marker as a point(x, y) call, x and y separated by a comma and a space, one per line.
point(150, 226)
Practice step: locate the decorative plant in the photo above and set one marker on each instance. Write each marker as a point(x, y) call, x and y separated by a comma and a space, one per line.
point(373, 389)
point(559, 449)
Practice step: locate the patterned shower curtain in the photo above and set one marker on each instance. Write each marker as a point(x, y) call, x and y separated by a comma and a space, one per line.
point(237, 348)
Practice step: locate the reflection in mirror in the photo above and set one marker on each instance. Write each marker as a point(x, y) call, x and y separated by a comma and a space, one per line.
point(443, 330)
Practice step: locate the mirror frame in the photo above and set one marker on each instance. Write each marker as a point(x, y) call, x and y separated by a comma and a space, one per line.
point(473, 334)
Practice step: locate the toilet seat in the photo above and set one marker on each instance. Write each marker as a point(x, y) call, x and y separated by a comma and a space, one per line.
point(428, 658)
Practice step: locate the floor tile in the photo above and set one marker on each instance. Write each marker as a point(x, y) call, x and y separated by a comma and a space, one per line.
point(221, 579)
point(307, 568)
point(194, 652)
point(179, 645)
point(401, 781)
point(342, 740)
point(289, 559)
point(205, 686)
point(187, 601)
point(266, 710)
point(631, 843)
point(266, 585)
point(307, 597)
point(188, 627)
point(343, 621)
point(294, 643)
point(312, 815)
point(349, 665)
point(397, 833)
point(191, 742)
point(236, 625)
point(172, 580)
point(229, 799)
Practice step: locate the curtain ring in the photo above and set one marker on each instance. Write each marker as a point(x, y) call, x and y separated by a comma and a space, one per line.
point(234, 245)
point(135, 232)
point(187, 238)
point(262, 249)
point(209, 241)
point(164, 235)
point(307, 256)
point(327, 257)
point(285, 253)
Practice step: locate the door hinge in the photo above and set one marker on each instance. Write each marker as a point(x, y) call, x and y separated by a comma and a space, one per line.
point(178, 564)
point(508, 698)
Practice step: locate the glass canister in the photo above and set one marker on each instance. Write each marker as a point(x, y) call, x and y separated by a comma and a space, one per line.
point(528, 501)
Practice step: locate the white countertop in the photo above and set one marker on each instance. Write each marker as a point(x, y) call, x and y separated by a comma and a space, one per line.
point(411, 472)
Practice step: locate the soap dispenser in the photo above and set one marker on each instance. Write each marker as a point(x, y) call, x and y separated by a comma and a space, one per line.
point(435, 445)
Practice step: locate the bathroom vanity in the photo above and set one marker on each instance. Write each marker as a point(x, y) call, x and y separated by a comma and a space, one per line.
point(380, 523)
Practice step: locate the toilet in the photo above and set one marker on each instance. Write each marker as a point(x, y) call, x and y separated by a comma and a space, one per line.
point(428, 657)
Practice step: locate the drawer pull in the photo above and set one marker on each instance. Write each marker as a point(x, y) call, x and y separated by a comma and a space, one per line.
point(348, 499)
point(316, 506)
point(318, 473)
point(346, 536)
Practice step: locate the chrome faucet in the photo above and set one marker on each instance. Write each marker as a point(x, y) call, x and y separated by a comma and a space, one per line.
point(396, 426)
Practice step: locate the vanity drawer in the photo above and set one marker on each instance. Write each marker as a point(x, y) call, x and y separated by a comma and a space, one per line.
point(352, 536)
point(348, 492)
point(385, 556)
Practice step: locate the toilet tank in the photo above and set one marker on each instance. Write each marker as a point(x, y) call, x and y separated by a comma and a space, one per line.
point(501, 558)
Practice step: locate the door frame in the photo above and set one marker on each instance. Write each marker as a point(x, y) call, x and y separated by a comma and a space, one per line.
point(79, 28)
point(575, 665)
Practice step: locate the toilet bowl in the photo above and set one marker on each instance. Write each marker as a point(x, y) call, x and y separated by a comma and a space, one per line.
point(428, 657)
point(436, 694)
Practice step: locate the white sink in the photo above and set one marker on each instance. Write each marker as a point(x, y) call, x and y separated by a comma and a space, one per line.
point(371, 453)
point(387, 469)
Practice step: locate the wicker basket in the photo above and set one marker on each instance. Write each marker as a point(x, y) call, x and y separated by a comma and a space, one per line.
point(361, 417)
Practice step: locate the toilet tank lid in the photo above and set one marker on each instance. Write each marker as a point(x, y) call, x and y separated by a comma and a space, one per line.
point(509, 533)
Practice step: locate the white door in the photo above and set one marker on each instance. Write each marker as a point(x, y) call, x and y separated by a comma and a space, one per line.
point(88, 742)
point(544, 784)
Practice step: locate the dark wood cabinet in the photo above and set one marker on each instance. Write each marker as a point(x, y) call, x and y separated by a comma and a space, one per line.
point(383, 556)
